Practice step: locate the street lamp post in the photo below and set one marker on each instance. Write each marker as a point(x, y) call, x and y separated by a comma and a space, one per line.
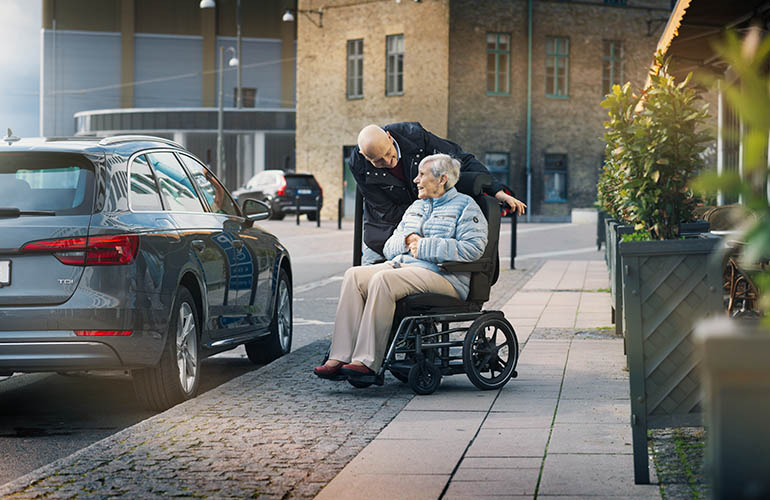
point(238, 55)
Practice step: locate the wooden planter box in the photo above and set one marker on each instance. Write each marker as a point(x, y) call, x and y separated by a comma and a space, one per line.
point(616, 282)
point(735, 373)
point(608, 225)
point(667, 287)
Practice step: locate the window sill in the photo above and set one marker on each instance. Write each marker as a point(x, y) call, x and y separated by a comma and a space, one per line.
point(355, 98)
point(394, 94)
point(555, 201)
point(499, 93)
point(562, 97)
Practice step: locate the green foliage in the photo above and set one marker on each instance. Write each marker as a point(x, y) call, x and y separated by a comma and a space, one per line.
point(749, 96)
point(654, 143)
point(636, 236)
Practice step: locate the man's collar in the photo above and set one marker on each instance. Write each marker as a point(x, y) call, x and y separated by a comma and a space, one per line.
point(398, 149)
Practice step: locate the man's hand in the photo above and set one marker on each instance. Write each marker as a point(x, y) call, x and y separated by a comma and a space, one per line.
point(413, 243)
point(517, 206)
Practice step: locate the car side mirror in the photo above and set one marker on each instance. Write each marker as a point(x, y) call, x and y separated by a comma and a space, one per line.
point(256, 210)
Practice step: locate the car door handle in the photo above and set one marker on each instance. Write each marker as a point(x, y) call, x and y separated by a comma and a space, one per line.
point(199, 245)
point(237, 244)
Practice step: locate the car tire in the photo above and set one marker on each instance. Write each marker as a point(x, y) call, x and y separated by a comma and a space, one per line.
point(278, 342)
point(177, 376)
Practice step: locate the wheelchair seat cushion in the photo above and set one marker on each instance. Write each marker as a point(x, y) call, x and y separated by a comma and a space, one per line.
point(435, 303)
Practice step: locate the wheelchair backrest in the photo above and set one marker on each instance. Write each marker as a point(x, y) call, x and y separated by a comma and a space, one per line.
point(473, 184)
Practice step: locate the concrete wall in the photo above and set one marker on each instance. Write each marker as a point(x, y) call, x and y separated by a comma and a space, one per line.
point(326, 119)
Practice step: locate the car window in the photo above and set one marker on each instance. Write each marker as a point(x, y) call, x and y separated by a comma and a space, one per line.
point(300, 181)
point(175, 184)
point(144, 189)
point(216, 195)
point(58, 182)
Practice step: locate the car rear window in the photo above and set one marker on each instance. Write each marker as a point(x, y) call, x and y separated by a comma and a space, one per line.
point(58, 182)
point(301, 181)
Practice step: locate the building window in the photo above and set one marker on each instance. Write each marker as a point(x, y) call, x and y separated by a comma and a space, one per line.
point(612, 65)
point(498, 63)
point(557, 67)
point(615, 2)
point(394, 72)
point(555, 178)
point(249, 97)
point(498, 166)
point(355, 69)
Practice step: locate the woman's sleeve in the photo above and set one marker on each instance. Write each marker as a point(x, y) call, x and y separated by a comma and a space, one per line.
point(396, 244)
point(468, 245)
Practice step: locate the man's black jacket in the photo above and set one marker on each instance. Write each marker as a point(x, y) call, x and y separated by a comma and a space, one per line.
point(386, 197)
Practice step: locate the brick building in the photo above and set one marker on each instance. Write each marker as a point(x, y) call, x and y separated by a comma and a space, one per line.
point(460, 67)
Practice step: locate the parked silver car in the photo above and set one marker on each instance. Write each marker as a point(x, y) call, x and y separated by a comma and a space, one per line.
point(128, 253)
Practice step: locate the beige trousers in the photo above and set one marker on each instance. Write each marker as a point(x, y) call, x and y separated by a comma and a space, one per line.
point(366, 307)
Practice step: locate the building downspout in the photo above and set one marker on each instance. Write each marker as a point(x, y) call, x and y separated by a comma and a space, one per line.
point(529, 109)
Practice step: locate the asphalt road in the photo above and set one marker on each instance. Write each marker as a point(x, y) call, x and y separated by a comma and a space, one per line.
point(44, 417)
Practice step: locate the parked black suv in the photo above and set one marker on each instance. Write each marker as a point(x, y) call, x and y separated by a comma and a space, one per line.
point(128, 253)
point(280, 190)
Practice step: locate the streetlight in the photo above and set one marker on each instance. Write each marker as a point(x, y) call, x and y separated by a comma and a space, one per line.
point(220, 170)
point(236, 60)
point(288, 16)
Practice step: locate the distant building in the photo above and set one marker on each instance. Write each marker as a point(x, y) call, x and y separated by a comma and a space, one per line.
point(150, 66)
point(460, 67)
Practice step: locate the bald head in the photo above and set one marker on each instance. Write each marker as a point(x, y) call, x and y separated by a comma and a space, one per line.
point(377, 146)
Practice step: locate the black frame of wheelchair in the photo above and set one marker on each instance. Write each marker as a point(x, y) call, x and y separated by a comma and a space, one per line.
point(422, 349)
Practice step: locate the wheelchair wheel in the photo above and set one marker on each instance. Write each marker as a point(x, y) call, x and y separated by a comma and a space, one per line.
point(424, 378)
point(490, 352)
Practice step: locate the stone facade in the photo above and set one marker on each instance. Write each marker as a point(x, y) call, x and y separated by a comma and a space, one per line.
point(445, 71)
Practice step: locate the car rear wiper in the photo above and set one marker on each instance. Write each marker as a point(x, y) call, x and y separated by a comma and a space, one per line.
point(16, 212)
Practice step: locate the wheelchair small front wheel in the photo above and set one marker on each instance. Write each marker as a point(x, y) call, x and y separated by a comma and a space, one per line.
point(424, 378)
point(490, 352)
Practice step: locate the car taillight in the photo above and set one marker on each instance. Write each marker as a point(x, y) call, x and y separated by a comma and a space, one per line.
point(91, 250)
point(103, 333)
point(282, 190)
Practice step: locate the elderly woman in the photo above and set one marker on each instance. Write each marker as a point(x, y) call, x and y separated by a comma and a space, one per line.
point(442, 225)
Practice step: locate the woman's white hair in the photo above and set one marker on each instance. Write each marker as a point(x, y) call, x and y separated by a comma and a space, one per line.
point(441, 164)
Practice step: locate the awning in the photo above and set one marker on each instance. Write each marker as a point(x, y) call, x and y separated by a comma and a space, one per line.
point(694, 26)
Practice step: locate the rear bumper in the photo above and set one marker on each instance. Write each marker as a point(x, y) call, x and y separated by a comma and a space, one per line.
point(56, 350)
point(46, 356)
point(42, 338)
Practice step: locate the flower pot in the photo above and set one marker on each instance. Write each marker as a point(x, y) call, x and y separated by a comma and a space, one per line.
point(735, 373)
point(667, 286)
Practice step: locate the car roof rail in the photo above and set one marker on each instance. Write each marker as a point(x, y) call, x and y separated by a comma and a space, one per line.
point(117, 139)
point(75, 138)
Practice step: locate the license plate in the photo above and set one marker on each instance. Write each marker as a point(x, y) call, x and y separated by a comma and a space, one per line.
point(304, 191)
point(5, 272)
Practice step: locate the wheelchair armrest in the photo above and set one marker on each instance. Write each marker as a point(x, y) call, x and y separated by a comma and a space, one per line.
point(478, 266)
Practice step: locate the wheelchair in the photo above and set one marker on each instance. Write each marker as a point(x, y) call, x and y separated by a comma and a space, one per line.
point(436, 335)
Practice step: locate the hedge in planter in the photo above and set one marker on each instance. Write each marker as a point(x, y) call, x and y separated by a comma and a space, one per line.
point(654, 145)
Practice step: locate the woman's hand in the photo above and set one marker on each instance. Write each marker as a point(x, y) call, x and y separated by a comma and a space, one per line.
point(413, 243)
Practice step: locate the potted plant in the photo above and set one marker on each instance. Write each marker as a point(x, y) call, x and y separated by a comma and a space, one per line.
point(735, 369)
point(667, 281)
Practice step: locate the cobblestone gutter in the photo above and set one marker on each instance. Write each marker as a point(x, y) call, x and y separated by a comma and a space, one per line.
point(277, 432)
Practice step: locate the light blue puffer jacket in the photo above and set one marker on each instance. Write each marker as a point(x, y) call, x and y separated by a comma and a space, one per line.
point(452, 227)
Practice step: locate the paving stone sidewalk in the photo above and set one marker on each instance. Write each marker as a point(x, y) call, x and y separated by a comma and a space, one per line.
point(277, 432)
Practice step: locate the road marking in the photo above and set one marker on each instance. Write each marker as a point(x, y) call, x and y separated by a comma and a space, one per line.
point(316, 284)
point(346, 253)
point(519, 230)
point(305, 322)
point(552, 254)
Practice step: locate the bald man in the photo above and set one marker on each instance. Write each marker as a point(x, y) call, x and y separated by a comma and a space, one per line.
point(384, 164)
